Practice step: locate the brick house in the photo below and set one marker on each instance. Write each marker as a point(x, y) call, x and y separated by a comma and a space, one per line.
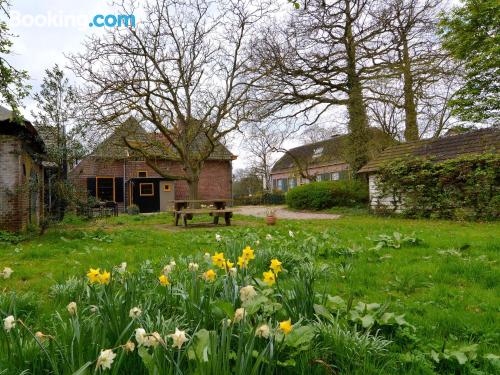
point(326, 160)
point(22, 173)
point(114, 172)
point(436, 150)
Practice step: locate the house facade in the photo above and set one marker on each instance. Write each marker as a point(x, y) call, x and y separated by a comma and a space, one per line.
point(325, 160)
point(114, 173)
point(22, 174)
point(435, 150)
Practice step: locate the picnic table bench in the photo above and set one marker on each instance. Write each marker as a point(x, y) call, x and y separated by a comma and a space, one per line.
point(185, 209)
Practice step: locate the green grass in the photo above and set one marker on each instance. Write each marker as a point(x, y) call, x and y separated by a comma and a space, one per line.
point(451, 296)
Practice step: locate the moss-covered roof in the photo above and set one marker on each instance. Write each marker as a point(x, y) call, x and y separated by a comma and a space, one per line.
point(440, 149)
point(114, 146)
point(329, 151)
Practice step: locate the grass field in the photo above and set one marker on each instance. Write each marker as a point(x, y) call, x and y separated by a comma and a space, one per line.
point(445, 278)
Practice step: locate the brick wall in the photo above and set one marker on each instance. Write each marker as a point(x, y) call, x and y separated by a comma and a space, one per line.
point(14, 186)
point(215, 177)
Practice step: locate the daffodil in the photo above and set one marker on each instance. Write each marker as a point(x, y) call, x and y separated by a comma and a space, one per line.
point(239, 314)
point(9, 323)
point(276, 266)
point(228, 264)
point(72, 309)
point(242, 262)
point(164, 280)
point(269, 278)
point(218, 237)
point(135, 312)
point(129, 347)
point(247, 293)
point(218, 260)
point(105, 359)
point(140, 336)
point(232, 271)
point(193, 267)
point(269, 237)
point(248, 253)
point(40, 336)
point(263, 331)
point(104, 278)
point(122, 268)
point(210, 275)
point(93, 275)
point(286, 326)
point(207, 257)
point(179, 338)
point(291, 234)
point(7, 271)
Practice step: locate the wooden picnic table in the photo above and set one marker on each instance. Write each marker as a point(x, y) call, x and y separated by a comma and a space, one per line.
point(185, 209)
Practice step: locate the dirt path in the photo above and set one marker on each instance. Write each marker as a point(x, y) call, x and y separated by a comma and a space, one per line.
point(282, 213)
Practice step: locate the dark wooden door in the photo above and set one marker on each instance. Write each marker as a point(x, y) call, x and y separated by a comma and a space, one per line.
point(146, 195)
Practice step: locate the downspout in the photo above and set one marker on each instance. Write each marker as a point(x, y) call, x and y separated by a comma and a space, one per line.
point(125, 182)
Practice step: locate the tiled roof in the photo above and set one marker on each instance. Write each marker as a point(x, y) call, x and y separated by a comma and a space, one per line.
point(440, 149)
point(114, 146)
point(329, 151)
point(22, 129)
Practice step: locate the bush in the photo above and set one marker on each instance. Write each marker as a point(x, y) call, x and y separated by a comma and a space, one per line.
point(133, 210)
point(465, 188)
point(327, 194)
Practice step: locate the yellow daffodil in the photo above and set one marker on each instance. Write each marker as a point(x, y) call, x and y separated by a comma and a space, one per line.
point(269, 278)
point(218, 260)
point(248, 253)
point(276, 266)
point(286, 326)
point(164, 280)
point(229, 264)
point(104, 278)
point(242, 262)
point(210, 275)
point(93, 275)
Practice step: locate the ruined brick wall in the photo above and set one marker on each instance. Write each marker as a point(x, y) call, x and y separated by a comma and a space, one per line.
point(16, 167)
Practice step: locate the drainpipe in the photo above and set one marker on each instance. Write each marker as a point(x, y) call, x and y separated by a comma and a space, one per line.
point(125, 181)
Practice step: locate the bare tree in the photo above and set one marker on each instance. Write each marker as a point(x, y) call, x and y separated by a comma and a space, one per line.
point(323, 59)
point(415, 66)
point(184, 71)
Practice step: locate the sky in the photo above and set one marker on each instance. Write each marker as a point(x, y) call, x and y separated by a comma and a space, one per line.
point(48, 29)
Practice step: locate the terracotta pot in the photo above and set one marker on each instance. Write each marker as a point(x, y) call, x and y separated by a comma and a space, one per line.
point(271, 220)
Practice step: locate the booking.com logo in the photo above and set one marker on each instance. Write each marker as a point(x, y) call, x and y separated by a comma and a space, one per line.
point(112, 20)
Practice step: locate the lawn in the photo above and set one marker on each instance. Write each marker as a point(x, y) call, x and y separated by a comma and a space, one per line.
point(445, 277)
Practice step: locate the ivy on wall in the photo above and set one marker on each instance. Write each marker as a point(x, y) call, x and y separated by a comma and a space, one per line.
point(463, 188)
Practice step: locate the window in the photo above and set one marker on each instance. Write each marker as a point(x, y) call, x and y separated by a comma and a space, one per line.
point(318, 152)
point(292, 182)
point(167, 187)
point(335, 176)
point(142, 173)
point(324, 177)
point(146, 189)
point(283, 184)
point(105, 188)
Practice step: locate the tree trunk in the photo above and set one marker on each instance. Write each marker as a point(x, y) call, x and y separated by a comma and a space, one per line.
point(358, 120)
point(411, 126)
point(193, 187)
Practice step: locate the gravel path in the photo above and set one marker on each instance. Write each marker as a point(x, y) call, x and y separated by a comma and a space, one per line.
point(282, 213)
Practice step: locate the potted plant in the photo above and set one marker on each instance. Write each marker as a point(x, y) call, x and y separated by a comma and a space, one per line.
point(270, 216)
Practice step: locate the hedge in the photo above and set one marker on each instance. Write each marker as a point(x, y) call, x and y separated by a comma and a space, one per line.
point(260, 198)
point(463, 188)
point(326, 194)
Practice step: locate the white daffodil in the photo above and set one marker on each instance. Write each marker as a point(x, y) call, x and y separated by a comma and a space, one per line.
point(154, 339)
point(40, 336)
point(233, 271)
point(72, 309)
point(257, 243)
point(247, 293)
point(7, 271)
point(290, 233)
point(193, 267)
point(179, 338)
point(129, 346)
point(122, 267)
point(207, 257)
point(9, 323)
point(269, 237)
point(168, 269)
point(135, 312)
point(218, 237)
point(263, 331)
point(140, 336)
point(172, 263)
point(94, 309)
point(239, 314)
point(105, 359)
